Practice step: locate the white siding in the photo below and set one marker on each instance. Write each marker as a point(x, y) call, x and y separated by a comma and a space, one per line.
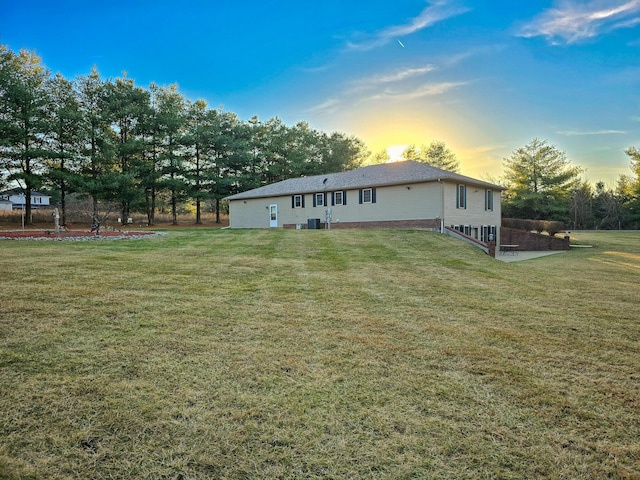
point(419, 201)
point(401, 202)
point(474, 214)
point(252, 213)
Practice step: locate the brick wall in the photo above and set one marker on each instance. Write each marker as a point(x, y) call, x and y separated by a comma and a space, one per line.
point(532, 241)
point(430, 223)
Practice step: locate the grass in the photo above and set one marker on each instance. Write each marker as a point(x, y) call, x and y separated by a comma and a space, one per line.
point(313, 354)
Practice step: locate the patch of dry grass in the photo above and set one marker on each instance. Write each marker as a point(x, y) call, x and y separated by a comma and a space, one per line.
point(314, 354)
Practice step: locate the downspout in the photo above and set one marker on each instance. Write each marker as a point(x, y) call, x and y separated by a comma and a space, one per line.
point(441, 205)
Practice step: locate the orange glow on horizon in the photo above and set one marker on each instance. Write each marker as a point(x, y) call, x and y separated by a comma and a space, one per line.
point(393, 130)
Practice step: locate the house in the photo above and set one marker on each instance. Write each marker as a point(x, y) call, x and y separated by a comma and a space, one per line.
point(6, 206)
point(402, 194)
point(17, 199)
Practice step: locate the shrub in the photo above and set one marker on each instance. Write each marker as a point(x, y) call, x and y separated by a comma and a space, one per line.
point(552, 227)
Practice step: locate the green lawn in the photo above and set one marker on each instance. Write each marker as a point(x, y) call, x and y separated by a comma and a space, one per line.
point(313, 354)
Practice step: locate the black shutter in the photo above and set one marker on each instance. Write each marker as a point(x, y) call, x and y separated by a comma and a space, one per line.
point(457, 196)
point(333, 198)
point(314, 199)
point(373, 195)
point(360, 196)
point(293, 201)
point(302, 201)
point(344, 197)
point(325, 199)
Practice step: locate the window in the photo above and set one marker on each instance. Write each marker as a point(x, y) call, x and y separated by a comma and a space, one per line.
point(367, 195)
point(319, 200)
point(488, 233)
point(488, 200)
point(297, 201)
point(461, 196)
point(339, 198)
point(466, 229)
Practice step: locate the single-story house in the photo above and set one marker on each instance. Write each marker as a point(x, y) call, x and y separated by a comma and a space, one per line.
point(401, 194)
point(17, 199)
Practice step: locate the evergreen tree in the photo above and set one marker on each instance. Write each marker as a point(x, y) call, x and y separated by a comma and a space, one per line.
point(227, 153)
point(435, 154)
point(97, 142)
point(127, 107)
point(629, 189)
point(118, 143)
point(24, 121)
point(539, 181)
point(66, 129)
point(170, 115)
point(379, 157)
point(343, 152)
point(196, 142)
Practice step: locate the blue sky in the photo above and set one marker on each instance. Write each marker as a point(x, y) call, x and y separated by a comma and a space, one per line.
point(484, 76)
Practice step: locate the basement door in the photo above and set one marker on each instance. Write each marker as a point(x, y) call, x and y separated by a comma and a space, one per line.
point(273, 215)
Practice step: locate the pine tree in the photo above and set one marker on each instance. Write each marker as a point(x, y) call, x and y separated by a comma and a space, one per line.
point(25, 125)
point(539, 181)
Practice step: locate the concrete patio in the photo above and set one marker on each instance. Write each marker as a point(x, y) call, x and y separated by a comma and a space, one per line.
point(525, 255)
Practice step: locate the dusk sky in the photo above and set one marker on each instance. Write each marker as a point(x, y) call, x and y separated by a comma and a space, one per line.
point(484, 76)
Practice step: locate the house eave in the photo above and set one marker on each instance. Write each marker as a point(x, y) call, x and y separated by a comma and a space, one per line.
point(385, 175)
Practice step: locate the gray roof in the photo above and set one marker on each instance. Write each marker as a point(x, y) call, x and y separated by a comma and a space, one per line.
point(386, 174)
point(17, 191)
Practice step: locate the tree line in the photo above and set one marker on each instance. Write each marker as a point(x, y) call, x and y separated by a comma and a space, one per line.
point(543, 187)
point(542, 184)
point(114, 142)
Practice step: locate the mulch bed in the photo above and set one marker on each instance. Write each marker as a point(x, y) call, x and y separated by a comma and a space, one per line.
point(68, 234)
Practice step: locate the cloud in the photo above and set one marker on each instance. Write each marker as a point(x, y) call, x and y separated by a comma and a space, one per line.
point(334, 105)
point(575, 133)
point(328, 107)
point(392, 77)
point(400, 85)
point(574, 20)
point(435, 12)
point(424, 90)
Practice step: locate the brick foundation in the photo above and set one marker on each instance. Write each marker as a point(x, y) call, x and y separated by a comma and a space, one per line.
point(428, 223)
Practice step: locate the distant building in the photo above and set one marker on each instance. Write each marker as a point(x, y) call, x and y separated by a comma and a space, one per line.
point(17, 199)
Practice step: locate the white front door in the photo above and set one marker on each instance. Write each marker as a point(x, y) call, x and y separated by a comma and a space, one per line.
point(273, 215)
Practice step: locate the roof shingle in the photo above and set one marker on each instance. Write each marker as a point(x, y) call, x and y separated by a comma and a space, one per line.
point(396, 173)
